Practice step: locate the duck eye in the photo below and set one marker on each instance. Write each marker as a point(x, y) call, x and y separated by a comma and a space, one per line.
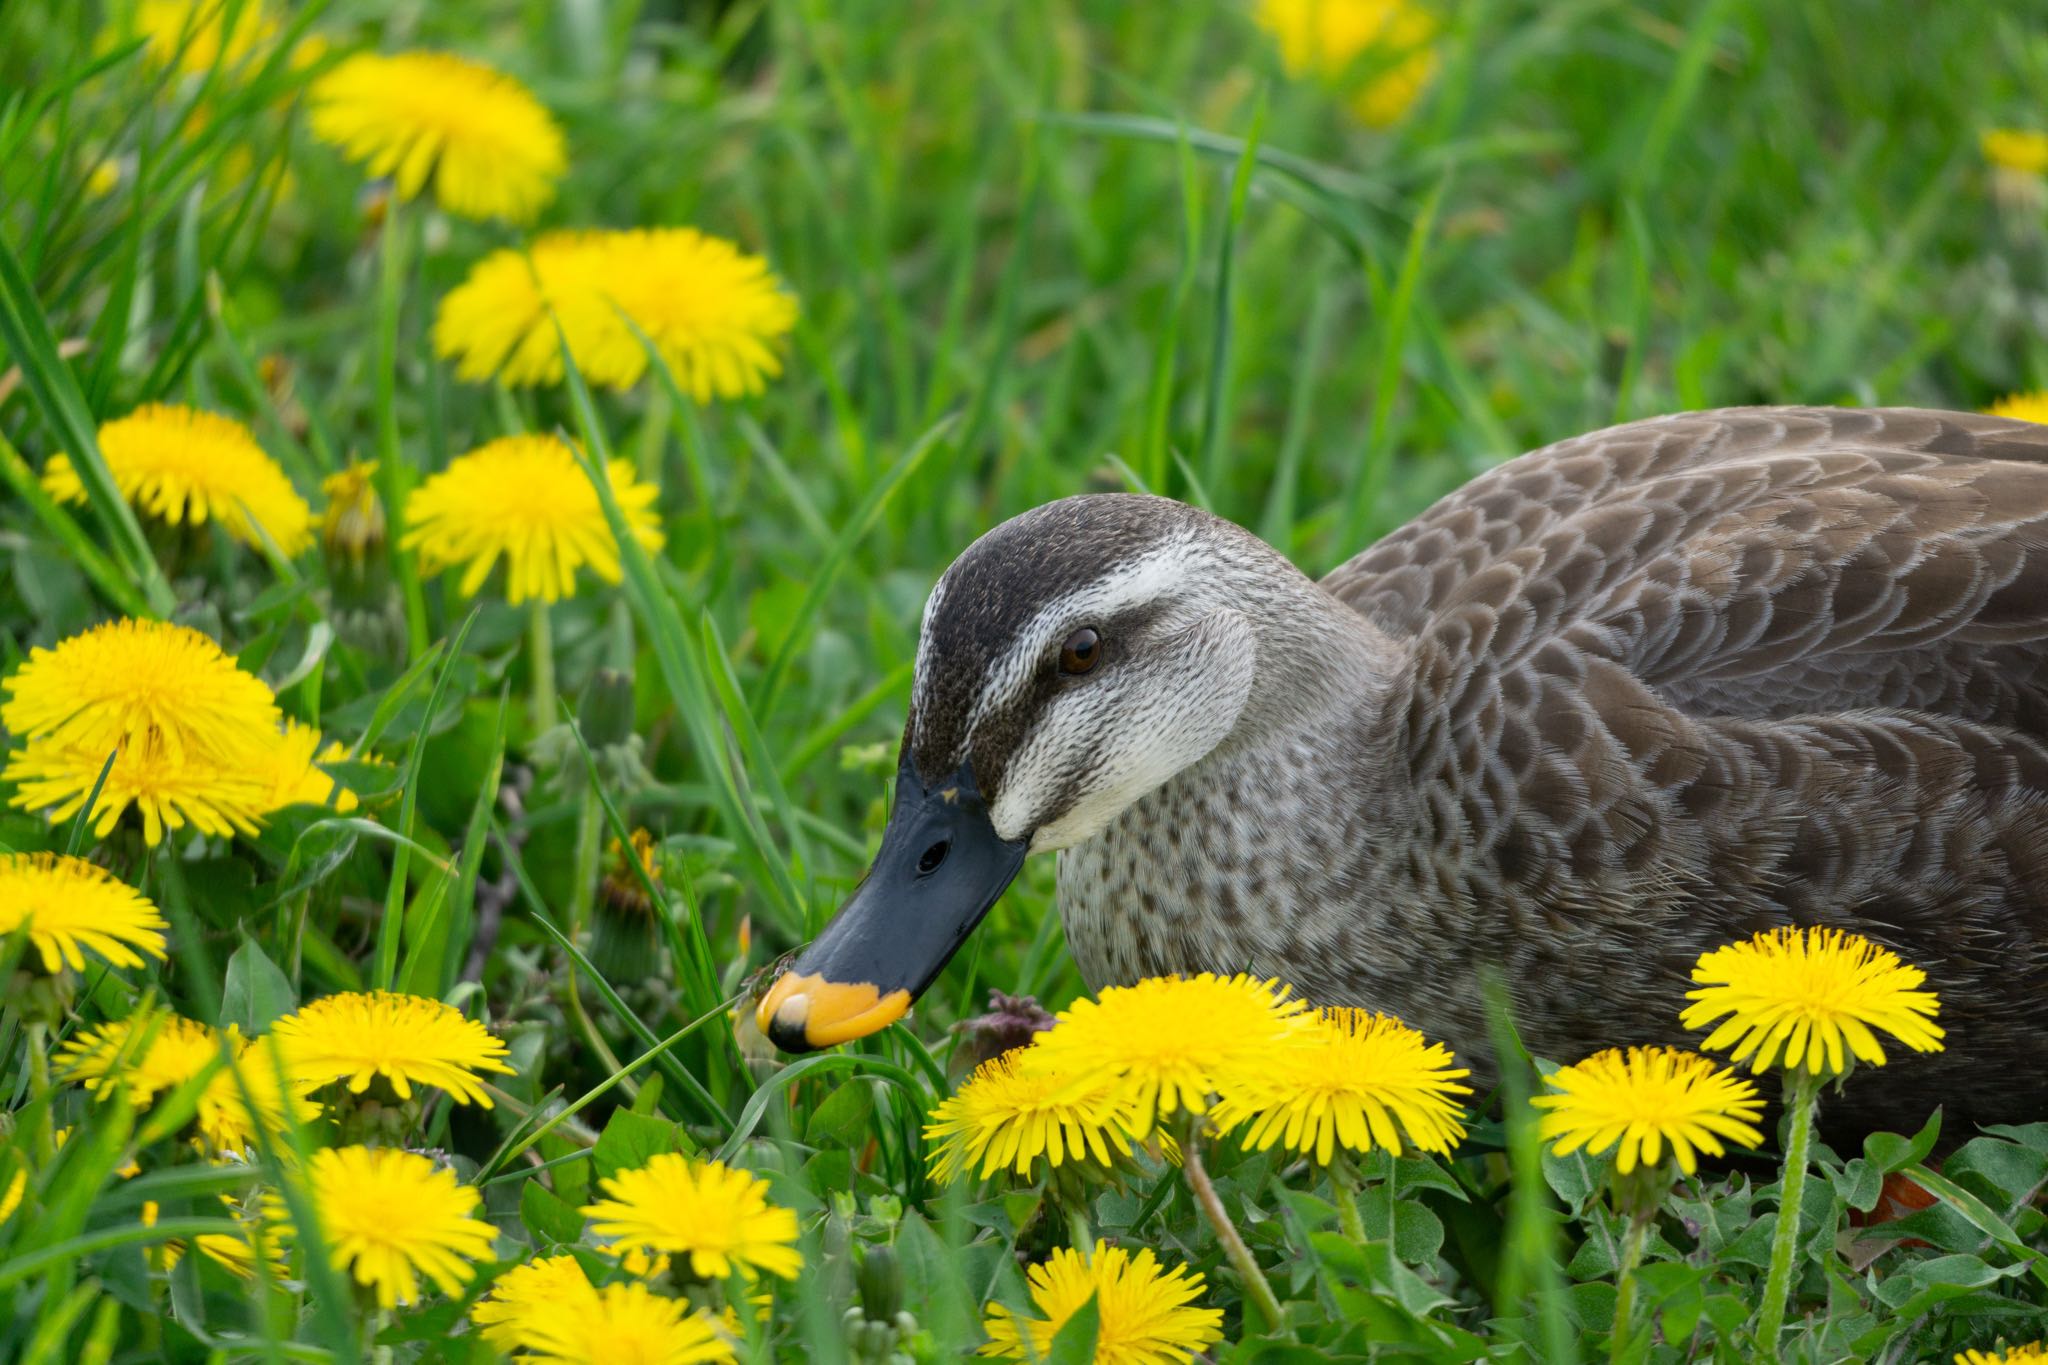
point(1081, 650)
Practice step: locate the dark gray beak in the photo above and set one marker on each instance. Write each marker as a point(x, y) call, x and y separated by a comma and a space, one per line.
point(940, 868)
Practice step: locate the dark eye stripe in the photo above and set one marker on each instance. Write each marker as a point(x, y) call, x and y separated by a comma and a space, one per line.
point(1005, 730)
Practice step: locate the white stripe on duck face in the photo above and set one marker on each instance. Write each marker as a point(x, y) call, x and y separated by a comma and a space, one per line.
point(1162, 570)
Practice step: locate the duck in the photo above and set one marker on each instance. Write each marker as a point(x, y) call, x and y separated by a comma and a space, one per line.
point(1611, 704)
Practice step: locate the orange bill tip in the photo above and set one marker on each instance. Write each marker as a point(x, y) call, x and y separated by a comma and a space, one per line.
point(828, 1012)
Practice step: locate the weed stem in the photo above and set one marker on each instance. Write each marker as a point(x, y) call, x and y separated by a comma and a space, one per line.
point(1256, 1289)
point(1802, 1089)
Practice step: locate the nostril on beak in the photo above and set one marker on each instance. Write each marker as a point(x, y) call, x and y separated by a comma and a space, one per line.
point(928, 861)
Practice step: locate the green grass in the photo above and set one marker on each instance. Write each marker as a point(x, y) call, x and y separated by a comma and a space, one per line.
point(1041, 248)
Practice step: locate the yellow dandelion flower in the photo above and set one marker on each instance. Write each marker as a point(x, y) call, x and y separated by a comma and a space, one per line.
point(353, 523)
point(293, 774)
point(103, 179)
point(497, 323)
point(10, 1198)
point(1363, 1081)
point(525, 498)
point(1007, 1116)
point(146, 1055)
point(71, 907)
point(195, 36)
point(228, 1119)
point(406, 1039)
point(713, 311)
point(526, 1290)
point(2024, 407)
point(1645, 1099)
point(1146, 1312)
point(1173, 1041)
point(2033, 1353)
point(717, 314)
point(143, 1055)
point(720, 1217)
point(186, 723)
point(128, 683)
point(1810, 991)
point(238, 1253)
point(392, 1218)
point(181, 465)
point(491, 148)
point(215, 797)
point(621, 1324)
point(2016, 149)
point(1377, 50)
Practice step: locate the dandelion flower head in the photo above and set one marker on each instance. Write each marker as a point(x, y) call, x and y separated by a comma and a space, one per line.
point(714, 312)
point(2023, 407)
point(130, 684)
point(490, 148)
point(11, 1194)
point(142, 1055)
point(720, 1217)
point(2032, 1353)
point(717, 314)
point(1810, 993)
point(527, 500)
point(294, 775)
point(393, 1218)
point(526, 1290)
point(195, 36)
point(192, 730)
point(353, 522)
point(1645, 1099)
point(1007, 1116)
point(249, 1096)
point(2024, 150)
point(621, 1324)
point(1378, 50)
point(1364, 1081)
point(1146, 1312)
point(146, 1055)
point(407, 1039)
point(1173, 1040)
point(72, 907)
point(181, 465)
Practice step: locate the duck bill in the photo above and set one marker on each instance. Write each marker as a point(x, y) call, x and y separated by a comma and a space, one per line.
point(940, 868)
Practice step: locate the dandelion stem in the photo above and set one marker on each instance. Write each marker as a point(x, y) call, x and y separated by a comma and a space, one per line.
point(39, 1090)
point(1625, 1282)
point(1344, 1183)
point(589, 845)
point(1256, 1289)
point(1802, 1089)
point(541, 645)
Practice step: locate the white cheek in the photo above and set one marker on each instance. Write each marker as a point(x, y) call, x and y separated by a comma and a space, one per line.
point(1125, 737)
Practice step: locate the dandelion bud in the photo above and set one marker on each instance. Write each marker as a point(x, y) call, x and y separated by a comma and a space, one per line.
point(352, 527)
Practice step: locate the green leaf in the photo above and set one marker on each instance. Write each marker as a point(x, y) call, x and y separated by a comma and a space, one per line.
point(843, 1117)
point(631, 1140)
point(1074, 1343)
point(1924, 1284)
point(548, 1216)
point(1889, 1152)
point(256, 991)
point(1575, 1178)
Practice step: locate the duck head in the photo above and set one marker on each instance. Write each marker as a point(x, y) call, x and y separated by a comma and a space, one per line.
point(1072, 660)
